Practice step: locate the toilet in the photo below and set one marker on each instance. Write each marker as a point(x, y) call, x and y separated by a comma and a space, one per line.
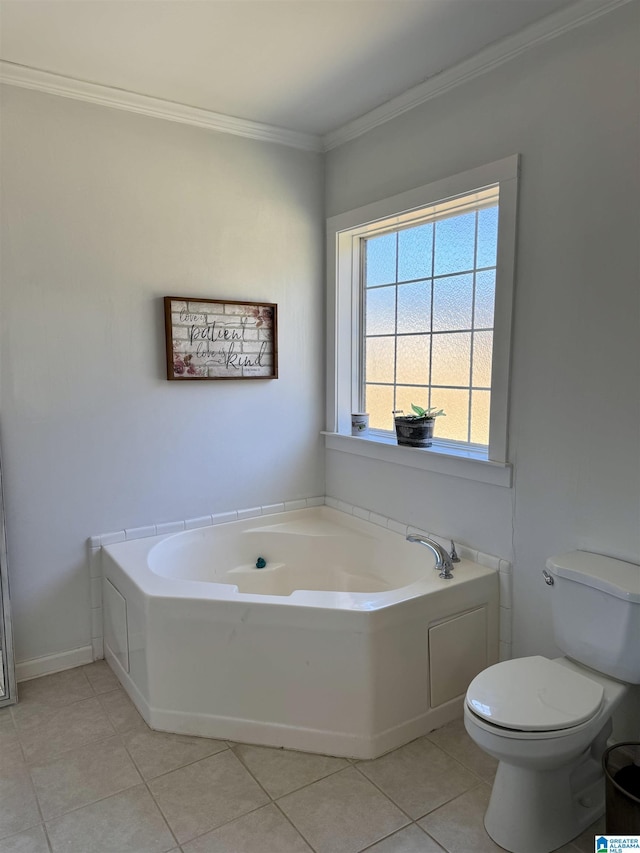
point(547, 722)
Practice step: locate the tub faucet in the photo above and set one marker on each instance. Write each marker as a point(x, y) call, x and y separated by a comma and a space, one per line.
point(443, 560)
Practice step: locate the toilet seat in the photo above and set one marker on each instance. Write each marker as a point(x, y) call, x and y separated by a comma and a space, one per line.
point(534, 694)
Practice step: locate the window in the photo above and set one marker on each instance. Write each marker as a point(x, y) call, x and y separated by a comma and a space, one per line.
point(428, 293)
point(421, 311)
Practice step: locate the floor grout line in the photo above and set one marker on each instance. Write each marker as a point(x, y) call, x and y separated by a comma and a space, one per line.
point(173, 769)
point(397, 832)
point(291, 823)
point(294, 790)
point(182, 766)
point(162, 814)
point(378, 788)
point(446, 802)
point(274, 801)
point(456, 737)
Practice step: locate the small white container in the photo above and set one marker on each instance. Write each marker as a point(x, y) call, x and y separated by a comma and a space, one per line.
point(359, 423)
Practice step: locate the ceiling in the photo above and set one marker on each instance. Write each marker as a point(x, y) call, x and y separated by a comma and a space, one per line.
point(308, 66)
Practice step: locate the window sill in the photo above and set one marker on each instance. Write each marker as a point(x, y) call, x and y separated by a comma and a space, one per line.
point(470, 465)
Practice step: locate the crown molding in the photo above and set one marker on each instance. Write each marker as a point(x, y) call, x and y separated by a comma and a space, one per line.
point(491, 57)
point(120, 99)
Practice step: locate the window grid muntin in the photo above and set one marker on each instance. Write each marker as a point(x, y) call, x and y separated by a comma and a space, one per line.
point(395, 346)
point(473, 305)
point(433, 270)
point(432, 279)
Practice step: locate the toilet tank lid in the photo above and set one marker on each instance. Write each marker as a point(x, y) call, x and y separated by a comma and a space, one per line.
point(614, 577)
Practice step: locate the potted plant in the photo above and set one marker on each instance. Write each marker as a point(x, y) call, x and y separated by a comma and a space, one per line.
point(416, 430)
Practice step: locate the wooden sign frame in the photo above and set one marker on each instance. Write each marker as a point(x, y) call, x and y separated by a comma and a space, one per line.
point(220, 339)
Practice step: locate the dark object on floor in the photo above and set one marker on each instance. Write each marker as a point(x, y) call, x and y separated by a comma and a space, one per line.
point(621, 764)
point(629, 779)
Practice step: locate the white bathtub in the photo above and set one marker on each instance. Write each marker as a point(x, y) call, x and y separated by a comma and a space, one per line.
point(346, 643)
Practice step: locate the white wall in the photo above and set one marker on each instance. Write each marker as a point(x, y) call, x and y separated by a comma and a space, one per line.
point(104, 213)
point(571, 109)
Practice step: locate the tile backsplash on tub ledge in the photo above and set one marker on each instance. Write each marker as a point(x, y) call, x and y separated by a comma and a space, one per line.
point(503, 567)
point(95, 543)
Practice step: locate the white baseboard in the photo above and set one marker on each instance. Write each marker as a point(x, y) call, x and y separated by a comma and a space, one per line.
point(27, 669)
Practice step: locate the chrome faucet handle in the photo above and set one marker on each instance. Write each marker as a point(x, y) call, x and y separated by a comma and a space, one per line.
point(454, 553)
point(443, 560)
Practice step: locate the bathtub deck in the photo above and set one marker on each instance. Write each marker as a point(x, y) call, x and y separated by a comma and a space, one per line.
point(81, 771)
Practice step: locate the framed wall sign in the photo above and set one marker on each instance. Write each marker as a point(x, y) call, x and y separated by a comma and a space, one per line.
point(220, 339)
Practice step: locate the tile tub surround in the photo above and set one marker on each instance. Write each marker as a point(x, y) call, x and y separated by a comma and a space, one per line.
point(95, 544)
point(504, 567)
point(113, 784)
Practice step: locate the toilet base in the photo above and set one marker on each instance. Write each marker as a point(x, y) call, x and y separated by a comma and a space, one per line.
point(539, 811)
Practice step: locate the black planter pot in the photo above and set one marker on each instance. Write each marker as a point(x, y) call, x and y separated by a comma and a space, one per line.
point(414, 432)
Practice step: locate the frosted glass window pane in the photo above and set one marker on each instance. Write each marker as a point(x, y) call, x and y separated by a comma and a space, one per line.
point(428, 317)
point(455, 426)
point(414, 307)
point(485, 299)
point(405, 396)
point(452, 303)
point(379, 404)
point(480, 403)
point(381, 260)
point(482, 352)
point(451, 359)
point(455, 243)
point(379, 359)
point(487, 237)
point(415, 248)
point(380, 311)
point(412, 365)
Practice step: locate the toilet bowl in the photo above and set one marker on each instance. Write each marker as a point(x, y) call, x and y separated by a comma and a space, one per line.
point(547, 721)
point(547, 724)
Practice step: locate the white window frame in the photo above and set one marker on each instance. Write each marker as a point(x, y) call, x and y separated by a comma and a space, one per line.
point(344, 240)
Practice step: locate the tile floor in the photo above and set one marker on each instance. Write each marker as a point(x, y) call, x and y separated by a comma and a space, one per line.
point(81, 772)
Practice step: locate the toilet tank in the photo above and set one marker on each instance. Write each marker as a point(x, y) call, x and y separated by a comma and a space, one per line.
point(595, 603)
